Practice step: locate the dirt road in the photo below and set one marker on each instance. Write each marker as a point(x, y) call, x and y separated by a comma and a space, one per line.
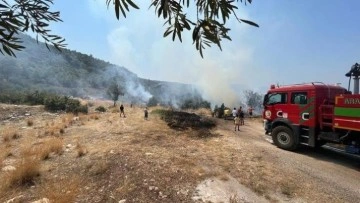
point(307, 175)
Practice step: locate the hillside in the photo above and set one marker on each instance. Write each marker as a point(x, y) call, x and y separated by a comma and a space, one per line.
point(75, 74)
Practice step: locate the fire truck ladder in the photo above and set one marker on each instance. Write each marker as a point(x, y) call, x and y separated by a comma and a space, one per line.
point(326, 112)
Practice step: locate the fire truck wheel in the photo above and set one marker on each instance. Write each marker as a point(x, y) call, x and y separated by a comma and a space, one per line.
point(283, 137)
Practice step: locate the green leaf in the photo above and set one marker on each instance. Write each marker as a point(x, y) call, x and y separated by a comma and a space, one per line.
point(8, 51)
point(125, 5)
point(122, 10)
point(249, 22)
point(179, 35)
point(174, 34)
point(167, 32)
point(3, 6)
point(132, 4)
point(117, 5)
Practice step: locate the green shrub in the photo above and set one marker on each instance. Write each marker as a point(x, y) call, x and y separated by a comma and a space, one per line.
point(35, 98)
point(64, 103)
point(72, 105)
point(100, 109)
point(12, 97)
point(51, 102)
point(82, 109)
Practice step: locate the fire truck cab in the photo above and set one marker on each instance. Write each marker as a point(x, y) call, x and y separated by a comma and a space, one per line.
point(312, 114)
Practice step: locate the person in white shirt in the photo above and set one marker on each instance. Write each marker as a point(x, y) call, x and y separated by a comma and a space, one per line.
point(234, 112)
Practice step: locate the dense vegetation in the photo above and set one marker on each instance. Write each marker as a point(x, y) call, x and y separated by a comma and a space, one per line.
point(51, 102)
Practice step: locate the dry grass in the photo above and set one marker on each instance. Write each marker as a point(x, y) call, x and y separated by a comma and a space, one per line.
point(9, 133)
point(81, 150)
point(61, 191)
point(30, 122)
point(129, 156)
point(42, 150)
point(288, 188)
point(99, 167)
point(62, 130)
point(55, 130)
point(224, 177)
point(83, 117)
point(55, 145)
point(24, 174)
point(234, 199)
point(94, 116)
point(6, 138)
point(202, 112)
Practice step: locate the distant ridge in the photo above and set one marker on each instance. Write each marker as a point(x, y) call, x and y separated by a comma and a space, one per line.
point(75, 74)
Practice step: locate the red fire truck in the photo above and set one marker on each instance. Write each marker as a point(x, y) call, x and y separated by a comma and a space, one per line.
point(314, 114)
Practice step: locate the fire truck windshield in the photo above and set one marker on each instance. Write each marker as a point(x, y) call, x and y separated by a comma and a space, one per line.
point(275, 98)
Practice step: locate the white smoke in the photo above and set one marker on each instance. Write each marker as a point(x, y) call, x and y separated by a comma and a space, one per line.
point(137, 91)
point(137, 44)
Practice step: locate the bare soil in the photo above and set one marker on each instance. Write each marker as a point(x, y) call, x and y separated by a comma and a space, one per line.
point(105, 158)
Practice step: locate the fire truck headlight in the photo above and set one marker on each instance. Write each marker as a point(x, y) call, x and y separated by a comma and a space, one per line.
point(268, 114)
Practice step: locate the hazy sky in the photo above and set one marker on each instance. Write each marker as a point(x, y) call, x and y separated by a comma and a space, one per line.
point(298, 41)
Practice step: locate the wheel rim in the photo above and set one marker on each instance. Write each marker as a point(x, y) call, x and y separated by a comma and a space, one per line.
point(283, 138)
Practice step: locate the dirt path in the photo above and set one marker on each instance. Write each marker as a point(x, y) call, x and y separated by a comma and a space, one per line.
point(310, 176)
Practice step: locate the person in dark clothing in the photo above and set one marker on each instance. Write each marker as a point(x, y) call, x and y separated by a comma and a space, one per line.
point(241, 115)
point(146, 114)
point(122, 111)
point(250, 111)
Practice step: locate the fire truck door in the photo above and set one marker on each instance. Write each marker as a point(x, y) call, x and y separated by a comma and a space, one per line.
point(277, 103)
point(301, 109)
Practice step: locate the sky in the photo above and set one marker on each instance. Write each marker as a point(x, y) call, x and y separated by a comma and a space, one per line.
point(298, 41)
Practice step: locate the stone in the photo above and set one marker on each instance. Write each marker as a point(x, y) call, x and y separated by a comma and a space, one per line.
point(43, 200)
point(8, 168)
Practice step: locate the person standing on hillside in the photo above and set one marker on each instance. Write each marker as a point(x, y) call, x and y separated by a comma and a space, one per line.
point(122, 112)
point(146, 113)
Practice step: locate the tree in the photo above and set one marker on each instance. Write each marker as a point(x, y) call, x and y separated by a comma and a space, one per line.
point(208, 27)
point(114, 91)
point(253, 99)
point(20, 16)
